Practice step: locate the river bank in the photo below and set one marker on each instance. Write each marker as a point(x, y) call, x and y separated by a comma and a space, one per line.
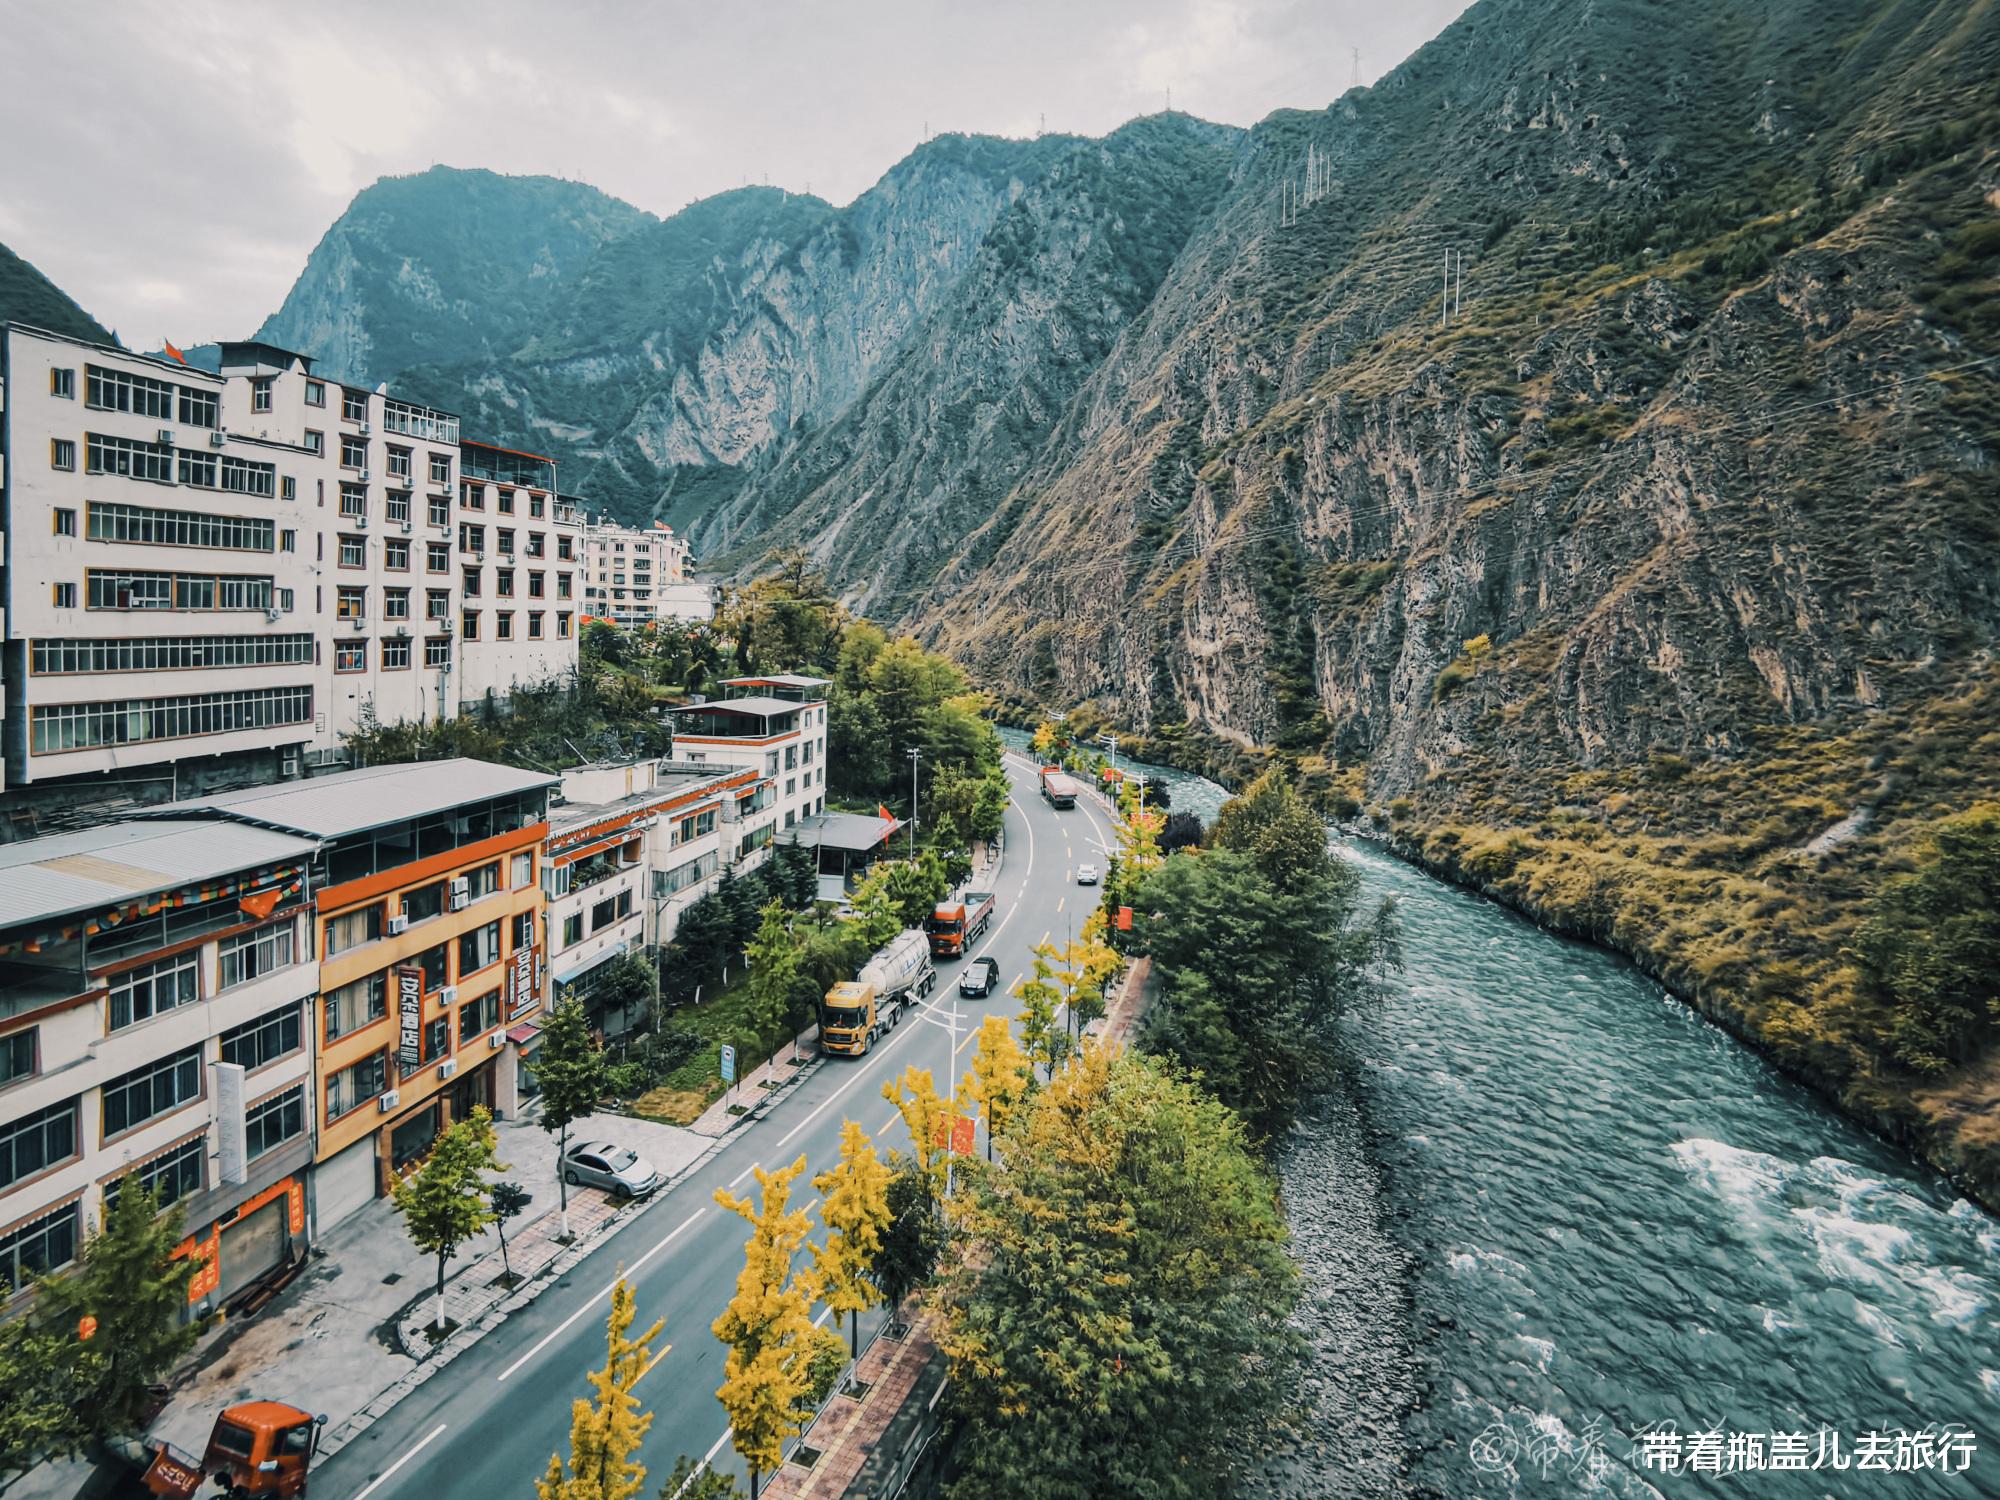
point(1550, 1208)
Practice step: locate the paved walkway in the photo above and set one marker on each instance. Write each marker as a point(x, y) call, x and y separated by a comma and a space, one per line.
point(755, 1092)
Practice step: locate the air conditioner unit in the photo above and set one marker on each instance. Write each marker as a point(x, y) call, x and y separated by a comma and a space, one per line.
point(496, 1041)
point(167, 437)
point(447, 994)
point(386, 1102)
point(362, 475)
point(274, 614)
point(218, 437)
point(359, 622)
point(408, 528)
point(289, 764)
point(400, 923)
point(361, 522)
point(448, 1067)
point(402, 632)
point(461, 894)
point(366, 428)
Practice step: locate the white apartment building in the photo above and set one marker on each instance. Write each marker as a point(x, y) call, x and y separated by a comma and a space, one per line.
point(629, 848)
point(520, 594)
point(160, 599)
point(634, 577)
point(156, 999)
point(774, 725)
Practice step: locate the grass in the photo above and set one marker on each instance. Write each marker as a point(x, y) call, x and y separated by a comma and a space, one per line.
point(681, 1097)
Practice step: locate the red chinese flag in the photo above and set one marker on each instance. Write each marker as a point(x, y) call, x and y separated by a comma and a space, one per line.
point(260, 905)
point(175, 353)
point(1124, 919)
point(963, 1132)
point(887, 816)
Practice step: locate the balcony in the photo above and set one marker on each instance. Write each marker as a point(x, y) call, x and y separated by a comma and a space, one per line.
point(419, 422)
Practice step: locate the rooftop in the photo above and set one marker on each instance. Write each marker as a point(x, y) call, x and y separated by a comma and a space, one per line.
point(855, 832)
point(777, 679)
point(255, 352)
point(764, 707)
point(109, 865)
point(673, 781)
point(354, 801)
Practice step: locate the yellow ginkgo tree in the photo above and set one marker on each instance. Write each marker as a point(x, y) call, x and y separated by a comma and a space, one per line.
point(767, 1326)
point(915, 1095)
point(854, 1206)
point(605, 1436)
point(998, 1079)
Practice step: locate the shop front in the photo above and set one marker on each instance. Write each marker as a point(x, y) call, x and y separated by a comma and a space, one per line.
point(247, 1247)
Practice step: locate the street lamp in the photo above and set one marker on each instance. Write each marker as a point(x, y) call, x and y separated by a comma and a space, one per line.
point(916, 754)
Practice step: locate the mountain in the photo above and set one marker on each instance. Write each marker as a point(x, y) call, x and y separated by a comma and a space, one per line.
point(27, 296)
point(445, 265)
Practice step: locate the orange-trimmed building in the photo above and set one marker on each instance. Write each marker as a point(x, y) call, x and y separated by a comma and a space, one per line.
point(427, 918)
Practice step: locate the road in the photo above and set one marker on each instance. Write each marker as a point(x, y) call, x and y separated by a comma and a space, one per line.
point(486, 1424)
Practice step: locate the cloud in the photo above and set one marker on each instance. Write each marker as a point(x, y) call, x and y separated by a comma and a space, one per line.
point(176, 185)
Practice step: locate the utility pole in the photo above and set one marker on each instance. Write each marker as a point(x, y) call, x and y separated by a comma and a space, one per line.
point(1458, 287)
point(916, 754)
point(1444, 305)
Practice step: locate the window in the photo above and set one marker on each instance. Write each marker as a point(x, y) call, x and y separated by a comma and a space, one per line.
point(353, 552)
point(572, 929)
point(120, 590)
point(425, 902)
point(350, 602)
point(535, 585)
point(523, 871)
point(521, 929)
point(63, 521)
point(506, 535)
point(396, 556)
point(62, 383)
point(241, 477)
point(199, 408)
point(150, 1091)
point(563, 586)
point(475, 1016)
point(116, 455)
point(142, 993)
point(62, 455)
point(504, 582)
point(252, 955)
point(534, 505)
point(354, 1005)
point(260, 394)
point(436, 1040)
point(352, 929)
point(469, 624)
point(438, 510)
point(535, 625)
point(171, 1176)
point(563, 550)
point(353, 500)
point(395, 604)
point(399, 464)
point(667, 882)
point(399, 507)
point(288, 541)
point(350, 656)
point(288, 487)
point(437, 651)
point(48, 1244)
point(437, 604)
point(503, 626)
point(440, 468)
point(470, 582)
point(482, 881)
point(506, 502)
point(278, 1119)
point(695, 826)
point(315, 393)
point(431, 961)
point(153, 526)
point(437, 557)
point(263, 1040)
point(354, 1086)
point(315, 442)
point(353, 406)
point(478, 948)
point(119, 390)
point(353, 452)
point(36, 1141)
point(395, 656)
point(17, 1055)
point(67, 656)
point(64, 595)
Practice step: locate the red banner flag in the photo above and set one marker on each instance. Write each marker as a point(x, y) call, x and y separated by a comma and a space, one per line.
point(260, 905)
point(1124, 919)
point(175, 353)
point(963, 1132)
point(887, 816)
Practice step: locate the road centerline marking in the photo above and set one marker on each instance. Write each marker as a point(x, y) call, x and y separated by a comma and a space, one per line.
point(563, 1327)
point(387, 1474)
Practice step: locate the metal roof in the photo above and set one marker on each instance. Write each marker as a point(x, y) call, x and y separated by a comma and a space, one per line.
point(117, 862)
point(855, 832)
point(763, 706)
point(783, 679)
point(355, 801)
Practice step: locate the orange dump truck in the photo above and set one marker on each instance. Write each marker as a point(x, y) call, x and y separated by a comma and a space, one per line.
point(1058, 787)
point(954, 924)
point(256, 1448)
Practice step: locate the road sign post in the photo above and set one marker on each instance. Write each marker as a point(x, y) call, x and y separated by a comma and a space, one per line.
point(728, 1067)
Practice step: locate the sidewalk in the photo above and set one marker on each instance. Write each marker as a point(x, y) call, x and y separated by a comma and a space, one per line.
point(756, 1090)
point(339, 1339)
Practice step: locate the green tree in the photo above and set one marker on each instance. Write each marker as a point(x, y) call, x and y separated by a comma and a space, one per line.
point(1044, 1038)
point(854, 1206)
point(915, 886)
point(1931, 948)
point(43, 1372)
point(1273, 824)
point(508, 1199)
point(570, 1069)
point(131, 1282)
point(604, 1438)
point(767, 1326)
point(878, 917)
point(773, 956)
point(447, 1200)
point(914, 1239)
point(693, 1479)
point(1121, 1296)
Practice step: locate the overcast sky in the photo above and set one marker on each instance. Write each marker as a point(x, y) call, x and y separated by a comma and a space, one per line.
point(171, 166)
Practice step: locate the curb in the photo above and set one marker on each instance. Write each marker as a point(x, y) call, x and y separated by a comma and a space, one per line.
point(495, 1314)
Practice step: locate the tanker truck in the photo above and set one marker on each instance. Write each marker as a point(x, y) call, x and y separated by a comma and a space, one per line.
point(858, 1010)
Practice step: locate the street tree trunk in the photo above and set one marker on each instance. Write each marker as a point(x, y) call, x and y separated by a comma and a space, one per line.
point(562, 1176)
point(440, 1317)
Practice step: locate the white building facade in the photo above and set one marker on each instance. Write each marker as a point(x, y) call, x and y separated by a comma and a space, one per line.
point(634, 578)
point(520, 598)
point(775, 726)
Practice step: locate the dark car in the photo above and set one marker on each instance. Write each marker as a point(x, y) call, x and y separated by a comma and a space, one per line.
point(980, 977)
point(624, 1173)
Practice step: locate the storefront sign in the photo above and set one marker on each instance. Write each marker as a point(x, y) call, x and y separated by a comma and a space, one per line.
point(521, 996)
point(410, 1012)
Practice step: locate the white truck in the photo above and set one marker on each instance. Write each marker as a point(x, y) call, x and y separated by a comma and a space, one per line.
point(857, 1011)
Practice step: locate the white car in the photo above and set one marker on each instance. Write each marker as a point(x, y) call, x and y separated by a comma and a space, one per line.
point(1086, 874)
point(623, 1173)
